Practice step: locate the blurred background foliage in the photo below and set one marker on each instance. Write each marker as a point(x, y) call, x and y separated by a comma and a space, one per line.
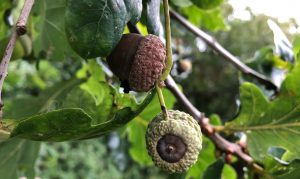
point(210, 83)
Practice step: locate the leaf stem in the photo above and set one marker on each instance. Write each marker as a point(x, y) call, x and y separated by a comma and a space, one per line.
point(162, 101)
point(169, 62)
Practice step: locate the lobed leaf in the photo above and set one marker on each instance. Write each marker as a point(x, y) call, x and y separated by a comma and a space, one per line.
point(49, 35)
point(94, 27)
point(71, 124)
point(270, 123)
point(73, 109)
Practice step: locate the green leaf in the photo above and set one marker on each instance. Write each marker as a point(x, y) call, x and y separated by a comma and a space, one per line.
point(136, 135)
point(96, 98)
point(94, 27)
point(134, 10)
point(58, 125)
point(152, 11)
point(50, 99)
point(229, 172)
point(279, 170)
point(72, 124)
point(18, 158)
point(296, 48)
point(136, 129)
point(205, 159)
point(270, 123)
point(3, 27)
point(271, 65)
point(93, 69)
point(181, 3)
point(207, 4)
point(211, 19)
point(91, 108)
point(214, 171)
point(50, 38)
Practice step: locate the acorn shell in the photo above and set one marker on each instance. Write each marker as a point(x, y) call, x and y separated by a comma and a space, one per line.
point(121, 58)
point(179, 124)
point(138, 60)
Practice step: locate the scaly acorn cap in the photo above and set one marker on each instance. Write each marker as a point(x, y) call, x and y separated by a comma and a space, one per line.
point(138, 61)
point(174, 143)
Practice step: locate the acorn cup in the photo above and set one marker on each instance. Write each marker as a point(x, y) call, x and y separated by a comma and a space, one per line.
point(138, 61)
point(174, 143)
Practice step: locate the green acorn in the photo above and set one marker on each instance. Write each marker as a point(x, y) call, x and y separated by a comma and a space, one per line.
point(174, 143)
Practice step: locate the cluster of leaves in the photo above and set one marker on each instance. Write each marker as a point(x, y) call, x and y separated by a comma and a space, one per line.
point(70, 98)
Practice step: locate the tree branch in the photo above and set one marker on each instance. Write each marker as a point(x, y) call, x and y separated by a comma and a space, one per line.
point(222, 51)
point(208, 130)
point(19, 30)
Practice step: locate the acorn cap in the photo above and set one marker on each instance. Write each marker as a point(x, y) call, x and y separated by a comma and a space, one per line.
point(138, 60)
point(174, 143)
point(148, 65)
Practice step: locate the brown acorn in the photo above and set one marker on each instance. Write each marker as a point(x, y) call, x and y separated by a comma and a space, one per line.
point(138, 61)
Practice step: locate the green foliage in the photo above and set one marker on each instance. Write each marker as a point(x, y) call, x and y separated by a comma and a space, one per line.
point(134, 10)
point(3, 27)
point(296, 47)
point(270, 123)
point(74, 123)
point(106, 22)
point(57, 96)
point(207, 4)
point(90, 159)
point(49, 37)
point(206, 157)
point(214, 171)
point(18, 158)
point(207, 161)
point(78, 159)
point(181, 3)
point(266, 62)
point(151, 11)
point(280, 170)
point(18, 51)
point(212, 19)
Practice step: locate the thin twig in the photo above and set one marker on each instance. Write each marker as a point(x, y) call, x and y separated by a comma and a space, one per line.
point(19, 30)
point(21, 23)
point(222, 51)
point(208, 130)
